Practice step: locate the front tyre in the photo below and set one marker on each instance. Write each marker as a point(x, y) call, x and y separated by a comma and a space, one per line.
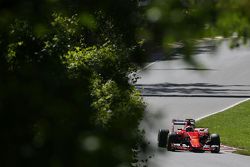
point(162, 138)
point(172, 138)
point(215, 142)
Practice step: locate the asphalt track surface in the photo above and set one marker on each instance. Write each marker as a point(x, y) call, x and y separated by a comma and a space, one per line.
point(174, 89)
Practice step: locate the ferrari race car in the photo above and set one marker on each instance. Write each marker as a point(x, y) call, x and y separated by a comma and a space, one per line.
point(188, 137)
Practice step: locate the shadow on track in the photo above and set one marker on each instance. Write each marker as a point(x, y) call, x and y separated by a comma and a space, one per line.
point(194, 90)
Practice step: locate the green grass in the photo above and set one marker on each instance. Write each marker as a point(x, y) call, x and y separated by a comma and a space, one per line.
point(233, 126)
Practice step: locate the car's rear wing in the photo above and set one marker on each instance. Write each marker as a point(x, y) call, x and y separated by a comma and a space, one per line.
point(182, 122)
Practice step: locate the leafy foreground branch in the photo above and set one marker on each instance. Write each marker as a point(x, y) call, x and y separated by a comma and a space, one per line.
point(65, 100)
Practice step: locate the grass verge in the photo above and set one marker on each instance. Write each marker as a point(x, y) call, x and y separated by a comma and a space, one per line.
point(233, 126)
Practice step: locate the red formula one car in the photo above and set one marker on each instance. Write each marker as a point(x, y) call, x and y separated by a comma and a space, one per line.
point(188, 137)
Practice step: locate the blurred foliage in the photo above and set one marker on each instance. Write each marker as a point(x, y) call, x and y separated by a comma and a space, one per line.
point(185, 21)
point(65, 99)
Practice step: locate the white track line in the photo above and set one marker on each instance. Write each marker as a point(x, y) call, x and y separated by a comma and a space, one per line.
point(144, 68)
point(222, 109)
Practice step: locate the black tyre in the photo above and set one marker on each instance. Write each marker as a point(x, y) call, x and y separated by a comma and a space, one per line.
point(162, 138)
point(172, 138)
point(215, 141)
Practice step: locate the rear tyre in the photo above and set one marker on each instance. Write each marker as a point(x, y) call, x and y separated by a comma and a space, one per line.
point(162, 138)
point(172, 138)
point(215, 141)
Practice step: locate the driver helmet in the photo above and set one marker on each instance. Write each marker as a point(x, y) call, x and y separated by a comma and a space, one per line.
point(189, 129)
point(188, 123)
